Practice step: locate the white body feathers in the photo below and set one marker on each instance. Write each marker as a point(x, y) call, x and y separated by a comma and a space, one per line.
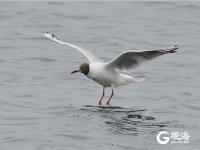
point(109, 78)
point(107, 74)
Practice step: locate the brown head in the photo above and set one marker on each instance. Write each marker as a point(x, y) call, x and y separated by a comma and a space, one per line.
point(84, 68)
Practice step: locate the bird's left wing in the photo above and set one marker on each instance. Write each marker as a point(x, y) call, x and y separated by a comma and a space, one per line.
point(131, 59)
point(86, 53)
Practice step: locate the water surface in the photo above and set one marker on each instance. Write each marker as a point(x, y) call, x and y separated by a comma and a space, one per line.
point(43, 107)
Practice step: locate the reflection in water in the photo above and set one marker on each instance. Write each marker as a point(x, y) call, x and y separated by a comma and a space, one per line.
point(131, 121)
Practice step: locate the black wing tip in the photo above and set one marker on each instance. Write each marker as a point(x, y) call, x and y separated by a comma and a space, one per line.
point(172, 49)
point(52, 35)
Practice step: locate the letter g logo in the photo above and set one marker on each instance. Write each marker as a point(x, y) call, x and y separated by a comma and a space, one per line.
point(164, 139)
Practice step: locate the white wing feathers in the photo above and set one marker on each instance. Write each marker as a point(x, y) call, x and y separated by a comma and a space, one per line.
point(131, 59)
point(125, 61)
point(86, 53)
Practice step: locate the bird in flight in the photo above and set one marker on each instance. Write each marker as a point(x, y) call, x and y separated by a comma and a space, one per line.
point(110, 74)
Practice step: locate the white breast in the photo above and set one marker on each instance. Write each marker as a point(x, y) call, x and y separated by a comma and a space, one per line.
point(101, 75)
point(107, 78)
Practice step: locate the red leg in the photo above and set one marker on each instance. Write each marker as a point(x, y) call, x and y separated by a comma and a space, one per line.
point(108, 102)
point(102, 96)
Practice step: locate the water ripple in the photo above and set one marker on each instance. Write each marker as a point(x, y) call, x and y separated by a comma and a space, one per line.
point(40, 58)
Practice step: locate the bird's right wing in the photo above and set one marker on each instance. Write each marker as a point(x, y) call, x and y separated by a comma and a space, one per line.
point(86, 53)
point(131, 59)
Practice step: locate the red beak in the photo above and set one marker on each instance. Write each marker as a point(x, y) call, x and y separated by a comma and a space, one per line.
point(75, 71)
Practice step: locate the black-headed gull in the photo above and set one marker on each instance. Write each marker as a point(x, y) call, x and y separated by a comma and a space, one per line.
point(108, 74)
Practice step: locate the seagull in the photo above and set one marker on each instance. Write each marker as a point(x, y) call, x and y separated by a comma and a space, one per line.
point(111, 73)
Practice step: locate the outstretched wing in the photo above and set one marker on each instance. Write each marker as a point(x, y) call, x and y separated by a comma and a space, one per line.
point(86, 53)
point(131, 59)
